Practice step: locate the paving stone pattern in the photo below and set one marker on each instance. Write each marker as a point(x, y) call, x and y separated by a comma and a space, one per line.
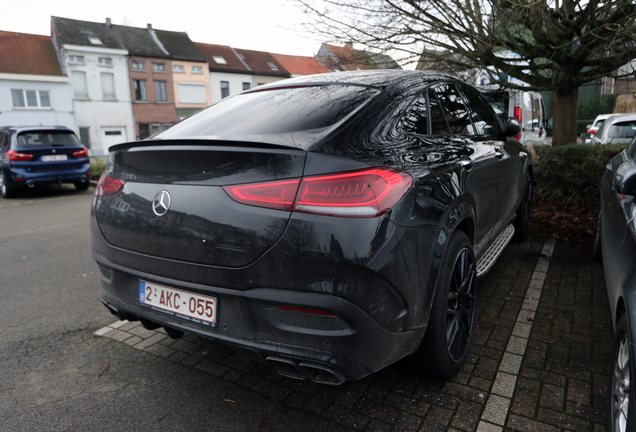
point(539, 358)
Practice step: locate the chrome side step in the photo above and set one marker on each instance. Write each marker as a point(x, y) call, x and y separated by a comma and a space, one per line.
point(490, 256)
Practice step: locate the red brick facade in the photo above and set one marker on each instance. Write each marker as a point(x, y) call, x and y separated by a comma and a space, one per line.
point(151, 111)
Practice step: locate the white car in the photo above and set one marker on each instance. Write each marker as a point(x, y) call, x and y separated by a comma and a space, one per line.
point(592, 128)
point(616, 129)
point(525, 106)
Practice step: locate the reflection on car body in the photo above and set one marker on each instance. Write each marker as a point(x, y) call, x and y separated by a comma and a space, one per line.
point(339, 221)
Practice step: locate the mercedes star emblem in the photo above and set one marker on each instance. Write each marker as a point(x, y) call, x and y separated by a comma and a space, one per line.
point(161, 203)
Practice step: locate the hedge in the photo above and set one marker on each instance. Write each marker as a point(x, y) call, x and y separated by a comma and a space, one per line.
point(570, 174)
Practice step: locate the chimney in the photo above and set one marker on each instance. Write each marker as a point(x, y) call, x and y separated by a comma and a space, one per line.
point(108, 21)
point(149, 26)
point(349, 45)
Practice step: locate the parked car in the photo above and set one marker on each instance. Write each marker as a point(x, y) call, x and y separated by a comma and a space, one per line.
point(326, 225)
point(592, 128)
point(616, 129)
point(31, 156)
point(615, 242)
point(525, 106)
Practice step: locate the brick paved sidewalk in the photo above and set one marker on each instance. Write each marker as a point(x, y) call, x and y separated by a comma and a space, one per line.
point(538, 361)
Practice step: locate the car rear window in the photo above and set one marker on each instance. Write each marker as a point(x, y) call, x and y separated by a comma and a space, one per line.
point(47, 139)
point(273, 112)
point(625, 129)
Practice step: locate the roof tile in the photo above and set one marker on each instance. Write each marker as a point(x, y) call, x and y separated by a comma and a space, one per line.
point(22, 53)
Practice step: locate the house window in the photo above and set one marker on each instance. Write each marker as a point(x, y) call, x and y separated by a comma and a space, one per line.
point(78, 59)
point(85, 136)
point(219, 60)
point(144, 130)
point(30, 98)
point(246, 86)
point(225, 89)
point(272, 66)
point(177, 69)
point(108, 86)
point(197, 70)
point(140, 90)
point(95, 40)
point(160, 87)
point(156, 128)
point(105, 61)
point(158, 67)
point(137, 65)
point(79, 84)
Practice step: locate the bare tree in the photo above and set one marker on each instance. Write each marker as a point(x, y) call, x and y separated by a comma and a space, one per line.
point(550, 45)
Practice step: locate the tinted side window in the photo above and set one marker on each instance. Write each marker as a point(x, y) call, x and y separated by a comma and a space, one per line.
point(416, 118)
point(483, 116)
point(439, 126)
point(4, 141)
point(457, 115)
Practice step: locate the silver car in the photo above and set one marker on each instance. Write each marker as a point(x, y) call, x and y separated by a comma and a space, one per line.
point(617, 129)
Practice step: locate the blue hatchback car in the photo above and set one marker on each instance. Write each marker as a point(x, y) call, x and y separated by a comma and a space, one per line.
point(31, 156)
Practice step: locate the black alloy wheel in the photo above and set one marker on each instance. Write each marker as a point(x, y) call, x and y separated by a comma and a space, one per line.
point(447, 339)
point(620, 415)
point(524, 213)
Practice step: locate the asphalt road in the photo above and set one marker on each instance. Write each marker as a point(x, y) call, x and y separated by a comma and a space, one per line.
point(55, 375)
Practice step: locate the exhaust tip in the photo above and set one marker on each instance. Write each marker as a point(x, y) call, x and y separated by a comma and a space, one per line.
point(83, 179)
point(31, 184)
point(285, 367)
point(322, 374)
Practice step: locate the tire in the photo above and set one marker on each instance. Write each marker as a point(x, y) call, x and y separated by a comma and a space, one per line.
point(447, 339)
point(82, 186)
point(597, 249)
point(6, 190)
point(620, 390)
point(524, 213)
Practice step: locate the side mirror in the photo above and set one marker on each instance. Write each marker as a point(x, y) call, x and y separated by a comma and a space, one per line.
point(512, 127)
point(588, 127)
point(625, 178)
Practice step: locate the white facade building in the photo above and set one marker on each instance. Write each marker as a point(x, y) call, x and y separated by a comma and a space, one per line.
point(34, 100)
point(101, 95)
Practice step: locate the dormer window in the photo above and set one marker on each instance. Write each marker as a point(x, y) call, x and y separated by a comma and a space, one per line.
point(95, 40)
point(272, 66)
point(219, 60)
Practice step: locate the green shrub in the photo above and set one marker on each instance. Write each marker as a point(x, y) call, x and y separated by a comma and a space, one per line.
point(97, 168)
point(591, 107)
point(570, 175)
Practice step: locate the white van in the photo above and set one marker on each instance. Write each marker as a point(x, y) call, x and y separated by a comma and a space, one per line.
point(525, 106)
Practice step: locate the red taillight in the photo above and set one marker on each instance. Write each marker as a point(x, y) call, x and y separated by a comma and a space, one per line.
point(277, 195)
point(592, 132)
point(367, 193)
point(15, 156)
point(519, 116)
point(81, 153)
point(108, 185)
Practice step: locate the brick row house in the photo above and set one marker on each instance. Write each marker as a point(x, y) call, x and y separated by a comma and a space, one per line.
point(113, 83)
point(124, 87)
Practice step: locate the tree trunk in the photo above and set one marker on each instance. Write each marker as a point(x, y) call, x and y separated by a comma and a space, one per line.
point(564, 107)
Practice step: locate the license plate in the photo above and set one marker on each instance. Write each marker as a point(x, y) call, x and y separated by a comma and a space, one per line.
point(54, 158)
point(194, 307)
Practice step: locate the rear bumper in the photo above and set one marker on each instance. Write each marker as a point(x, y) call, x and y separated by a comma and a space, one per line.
point(349, 344)
point(22, 177)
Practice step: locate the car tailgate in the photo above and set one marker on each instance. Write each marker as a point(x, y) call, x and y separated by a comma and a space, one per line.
point(201, 223)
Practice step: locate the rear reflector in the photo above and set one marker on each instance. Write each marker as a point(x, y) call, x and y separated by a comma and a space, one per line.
point(366, 193)
point(311, 311)
point(108, 185)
